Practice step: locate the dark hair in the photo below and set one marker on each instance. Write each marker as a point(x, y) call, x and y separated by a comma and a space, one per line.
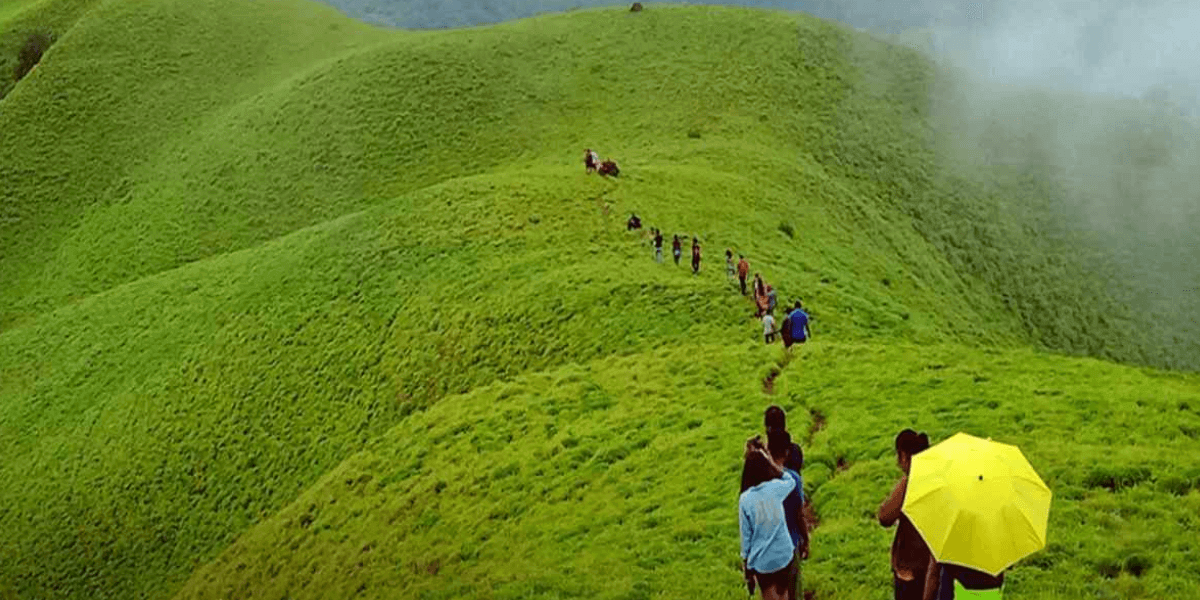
point(798, 305)
point(755, 470)
point(774, 418)
point(779, 443)
point(910, 442)
point(729, 253)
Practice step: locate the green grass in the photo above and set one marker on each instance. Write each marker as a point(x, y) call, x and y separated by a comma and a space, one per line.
point(250, 247)
point(615, 479)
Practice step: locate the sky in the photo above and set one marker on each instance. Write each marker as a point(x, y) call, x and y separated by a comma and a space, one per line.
point(1111, 47)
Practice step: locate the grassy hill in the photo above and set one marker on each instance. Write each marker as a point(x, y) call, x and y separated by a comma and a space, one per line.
point(248, 248)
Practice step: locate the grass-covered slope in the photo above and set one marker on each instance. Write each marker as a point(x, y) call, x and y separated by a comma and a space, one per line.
point(242, 241)
point(617, 479)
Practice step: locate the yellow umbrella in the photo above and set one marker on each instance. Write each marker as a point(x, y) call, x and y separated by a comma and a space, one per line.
point(977, 503)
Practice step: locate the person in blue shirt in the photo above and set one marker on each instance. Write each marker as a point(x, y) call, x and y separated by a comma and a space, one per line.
point(779, 445)
point(798, 326)
point(768, 554)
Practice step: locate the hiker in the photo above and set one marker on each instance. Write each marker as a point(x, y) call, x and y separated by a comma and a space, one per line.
point(768, 322)
point(797, 326)
point(768, 554)
point(760, 296)
point(677, 249)
point(729, 268)
point(609, 168)
point(770, 298)
point(743, 269)
point(634, 223)
point(774, 419)
point(964, 583)
point(591, 160)
point(695, 256)
point(657, 246)
point(913, 576)
point(779, 446)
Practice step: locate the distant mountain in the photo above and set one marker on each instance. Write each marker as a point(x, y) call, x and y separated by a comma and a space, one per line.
point(882, 15)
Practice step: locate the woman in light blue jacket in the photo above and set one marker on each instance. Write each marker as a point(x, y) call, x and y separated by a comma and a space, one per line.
point(768, 554)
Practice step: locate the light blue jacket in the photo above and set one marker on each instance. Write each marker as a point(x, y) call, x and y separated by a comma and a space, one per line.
point(766, 545)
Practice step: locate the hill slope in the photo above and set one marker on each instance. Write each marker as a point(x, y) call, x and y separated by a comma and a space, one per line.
point(231, 280)
point(617, 478)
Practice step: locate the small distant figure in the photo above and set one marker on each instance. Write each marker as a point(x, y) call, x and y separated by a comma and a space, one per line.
point(798, 331)
point(729, 268)
point(677, 250)
point(760, 296)
point(609, 168)
point(695, 256)
point(637, 7)
point(658, 240)
point(591, 160)
point(768, 322)
point(634, 223)
point(771, 298)
point(743, 270)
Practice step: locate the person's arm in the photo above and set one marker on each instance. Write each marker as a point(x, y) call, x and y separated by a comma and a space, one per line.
point(889, 511)
point(746, 526)
point(932, 579)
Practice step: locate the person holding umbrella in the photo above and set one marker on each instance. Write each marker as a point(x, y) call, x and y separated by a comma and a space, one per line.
point(912, 577)
point(980, 507)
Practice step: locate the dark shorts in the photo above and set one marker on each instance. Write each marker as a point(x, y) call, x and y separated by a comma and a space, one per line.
point(780, 580)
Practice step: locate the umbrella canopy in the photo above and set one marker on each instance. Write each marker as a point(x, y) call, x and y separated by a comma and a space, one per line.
point(977, 503)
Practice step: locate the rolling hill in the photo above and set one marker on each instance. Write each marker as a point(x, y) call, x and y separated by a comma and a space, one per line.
point(295, 306)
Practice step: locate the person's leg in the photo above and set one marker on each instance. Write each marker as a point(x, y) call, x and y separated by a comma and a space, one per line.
point(794, 585)
point(775, 585)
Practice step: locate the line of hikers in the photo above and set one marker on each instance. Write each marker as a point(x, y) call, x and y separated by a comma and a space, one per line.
point(795, 326)
point(656, 240)
point(774, 525)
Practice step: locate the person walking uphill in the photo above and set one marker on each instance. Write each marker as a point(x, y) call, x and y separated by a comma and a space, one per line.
point(729, 268)
point(695, 256)
point(914, 576)
point(743, 271)
point(658, 246)
point(779, 446)
point(796, 325)
point(768, 554)
point(677, 250)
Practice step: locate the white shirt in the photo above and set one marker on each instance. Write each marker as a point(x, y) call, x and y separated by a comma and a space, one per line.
point(768, 324)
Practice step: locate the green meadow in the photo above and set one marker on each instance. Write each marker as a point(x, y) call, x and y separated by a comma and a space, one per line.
point(292, 306)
